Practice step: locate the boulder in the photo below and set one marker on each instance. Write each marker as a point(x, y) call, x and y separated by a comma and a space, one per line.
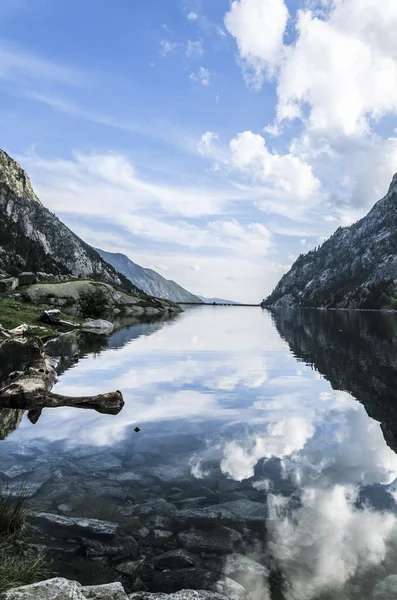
point(132, 568)
point(98, 326)
point(52, 589)
point(195, 579)
point(180, 595)
point(52, 317)
point(174, 559)
point(221, 540)
point(231, 588)
point(27, 279)
point(8, 284)
point(75, 526)
point(108, 591)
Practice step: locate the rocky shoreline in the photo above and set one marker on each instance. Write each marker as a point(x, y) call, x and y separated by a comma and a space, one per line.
point(63, 589)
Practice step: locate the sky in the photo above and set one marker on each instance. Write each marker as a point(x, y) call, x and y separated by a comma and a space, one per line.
point(213, 141)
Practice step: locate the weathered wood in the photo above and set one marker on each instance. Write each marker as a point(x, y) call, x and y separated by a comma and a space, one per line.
point(30, 390)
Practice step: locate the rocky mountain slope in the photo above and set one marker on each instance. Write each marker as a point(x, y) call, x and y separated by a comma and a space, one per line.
point(355, 268)
point(147, 280)
point(34, 239)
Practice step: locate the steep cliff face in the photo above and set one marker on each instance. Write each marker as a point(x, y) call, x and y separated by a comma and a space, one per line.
point(34, 239)
point(355, 268)
point(147, 280)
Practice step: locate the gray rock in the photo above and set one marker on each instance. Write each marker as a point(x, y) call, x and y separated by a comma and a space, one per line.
point(52, 589)
point(98, 326)
point(30, 488)
point(230, 588)
point(181, 595)
point(52, 317)
point(69, 526)
point(100, 462)
point(108, 591)
point(228, 485)
point(238, 567)
point(158, 537)
point(221, 540)
point(27, 279)
point(6, 285)
point(16, 471)
point(131, 568)
point(175, 559)
point(195, 579)
point(126, 477)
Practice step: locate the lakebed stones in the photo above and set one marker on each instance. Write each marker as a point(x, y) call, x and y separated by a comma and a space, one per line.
point(175, 559)
point(221, 540)
point(74, 526)
point(52, 316)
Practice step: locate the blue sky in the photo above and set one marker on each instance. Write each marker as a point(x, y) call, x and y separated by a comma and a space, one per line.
point(212, 141)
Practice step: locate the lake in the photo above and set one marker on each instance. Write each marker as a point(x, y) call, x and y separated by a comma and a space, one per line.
point(265, 464)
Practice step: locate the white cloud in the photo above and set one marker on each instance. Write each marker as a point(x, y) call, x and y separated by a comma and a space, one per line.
point(167, 47)
point(194, 49)
point(280, 439)
point(329, 538)
point(258, 26)
point(202, 75)
point(342, 73)
point(250, 154)
point(22, 66)
point(192, 16)
point(206, 143)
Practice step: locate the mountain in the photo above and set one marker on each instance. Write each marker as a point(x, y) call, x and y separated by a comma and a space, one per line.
point(355, 268)
point(34, 239)
point(217, 300)
point(147, 280)
point(354, 351)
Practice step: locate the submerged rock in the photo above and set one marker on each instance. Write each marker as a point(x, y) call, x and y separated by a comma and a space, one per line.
point(221, 540)
point(69, 526)
point(174, 559)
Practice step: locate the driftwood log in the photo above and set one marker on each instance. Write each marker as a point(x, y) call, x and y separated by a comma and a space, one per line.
point(30, 389)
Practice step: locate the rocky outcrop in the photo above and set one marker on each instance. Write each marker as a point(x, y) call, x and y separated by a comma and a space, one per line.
point(63, 589)
point(355, 268)
point(34, 239)
point(148, 280)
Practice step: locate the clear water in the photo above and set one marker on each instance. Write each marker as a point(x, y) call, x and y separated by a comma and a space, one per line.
point(296, 412)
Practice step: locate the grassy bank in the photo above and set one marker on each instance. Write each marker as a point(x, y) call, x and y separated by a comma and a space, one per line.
point(14, 312)
point(19, 565)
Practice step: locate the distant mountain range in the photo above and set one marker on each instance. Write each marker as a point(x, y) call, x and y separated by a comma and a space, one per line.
point(355, 268)
point(217, 300)
point(149, 281)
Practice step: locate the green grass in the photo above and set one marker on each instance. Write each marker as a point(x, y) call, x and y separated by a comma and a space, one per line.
point(18, 565)
point(13, 513)
point(14, 312)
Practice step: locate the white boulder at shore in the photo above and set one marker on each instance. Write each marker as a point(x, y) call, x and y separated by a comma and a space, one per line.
point(98, 326)
point(63, 589)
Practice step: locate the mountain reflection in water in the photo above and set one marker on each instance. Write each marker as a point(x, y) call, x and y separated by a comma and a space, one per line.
point(252, 444)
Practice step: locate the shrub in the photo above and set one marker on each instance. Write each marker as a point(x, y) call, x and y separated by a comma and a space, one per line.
point(94, 304)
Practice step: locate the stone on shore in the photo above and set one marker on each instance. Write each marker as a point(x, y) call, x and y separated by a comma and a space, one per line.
point(98, 326)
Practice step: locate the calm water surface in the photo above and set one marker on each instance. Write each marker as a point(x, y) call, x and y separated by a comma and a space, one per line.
point(285, 423)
